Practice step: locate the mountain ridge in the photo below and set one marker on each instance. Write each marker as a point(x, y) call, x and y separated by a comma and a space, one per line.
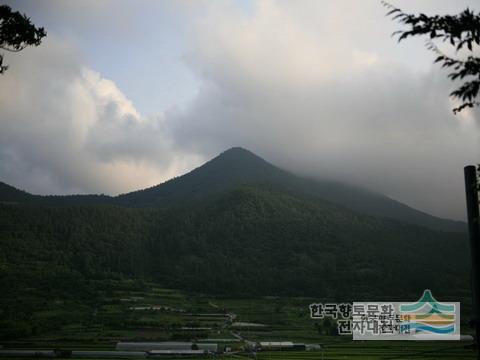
point(237, 166)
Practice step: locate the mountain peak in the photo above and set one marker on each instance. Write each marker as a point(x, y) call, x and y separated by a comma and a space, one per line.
point(238, 152)
point(240, 162)
point(236, 149)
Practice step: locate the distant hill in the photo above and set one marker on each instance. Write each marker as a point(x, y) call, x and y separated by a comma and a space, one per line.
point(9, 194)
point(238, 166)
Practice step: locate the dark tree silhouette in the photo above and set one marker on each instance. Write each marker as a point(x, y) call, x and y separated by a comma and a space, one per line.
point(461, 31)
point(17, 32)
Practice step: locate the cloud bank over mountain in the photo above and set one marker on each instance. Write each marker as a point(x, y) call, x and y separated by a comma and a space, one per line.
point(320, 89)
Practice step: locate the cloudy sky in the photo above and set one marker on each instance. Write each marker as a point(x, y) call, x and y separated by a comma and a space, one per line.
point(123, 95)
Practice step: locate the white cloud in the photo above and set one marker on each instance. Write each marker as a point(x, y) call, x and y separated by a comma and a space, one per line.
point(66, 129)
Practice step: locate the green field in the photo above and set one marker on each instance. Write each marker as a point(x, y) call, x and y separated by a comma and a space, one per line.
point(133, 311)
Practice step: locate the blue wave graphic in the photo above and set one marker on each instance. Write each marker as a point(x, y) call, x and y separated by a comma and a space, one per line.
point(427, 328)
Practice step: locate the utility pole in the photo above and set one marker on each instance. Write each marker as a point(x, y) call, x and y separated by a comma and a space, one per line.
point(471, 190)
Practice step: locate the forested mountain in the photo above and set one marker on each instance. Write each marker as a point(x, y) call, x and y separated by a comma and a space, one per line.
point(236, 167)
point(248, 241)
point(240, 242)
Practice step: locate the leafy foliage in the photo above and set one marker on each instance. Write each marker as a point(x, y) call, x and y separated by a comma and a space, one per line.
point(461, 31)
point(17, 32)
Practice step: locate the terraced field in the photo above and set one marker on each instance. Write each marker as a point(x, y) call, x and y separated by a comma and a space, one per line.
point(129, 312)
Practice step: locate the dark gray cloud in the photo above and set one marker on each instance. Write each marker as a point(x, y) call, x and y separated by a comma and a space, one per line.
point(325, 107)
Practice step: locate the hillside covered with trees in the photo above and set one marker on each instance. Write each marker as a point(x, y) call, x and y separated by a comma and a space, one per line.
point(235, 227)
point(250, 241)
